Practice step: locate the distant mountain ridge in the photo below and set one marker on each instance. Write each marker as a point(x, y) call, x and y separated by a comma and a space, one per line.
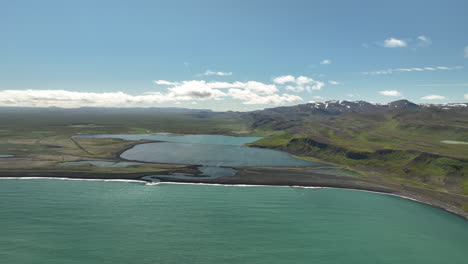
point(343, 106)
point(327, 107)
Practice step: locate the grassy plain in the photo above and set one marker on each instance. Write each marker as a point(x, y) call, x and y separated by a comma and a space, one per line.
point(40, 140)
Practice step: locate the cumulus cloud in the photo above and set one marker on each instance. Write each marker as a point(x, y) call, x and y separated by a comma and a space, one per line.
point(394, 43)
point(189, 90)
point(465, 96)
point(284, 79)
point(299, 84)
point(433, 97)
point(209, 72)
point(257, 87)
point(250, 92)
point(419, 69)
point(325, 62)
point(424, 41)
point(163, 82)
point(390, 93)
point(334, 82)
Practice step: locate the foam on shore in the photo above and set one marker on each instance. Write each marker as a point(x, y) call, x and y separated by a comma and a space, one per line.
point(227, 185)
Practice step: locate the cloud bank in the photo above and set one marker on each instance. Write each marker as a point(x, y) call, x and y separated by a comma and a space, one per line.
point(391, 71)
point(249, 93)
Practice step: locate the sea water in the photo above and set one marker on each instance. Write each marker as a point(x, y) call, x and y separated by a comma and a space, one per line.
point(54, 221)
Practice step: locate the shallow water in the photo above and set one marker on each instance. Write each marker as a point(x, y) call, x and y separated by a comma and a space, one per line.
point(211, 155)
point(6, 156)
point(53, 221)
point(211, 151)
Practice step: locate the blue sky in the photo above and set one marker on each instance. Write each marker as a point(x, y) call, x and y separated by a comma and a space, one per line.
point(228, 55)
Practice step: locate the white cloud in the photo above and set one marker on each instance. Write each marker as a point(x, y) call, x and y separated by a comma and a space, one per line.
point(67, 99)
point(200, 90)
point(465, 96)
point(163, 82)
point(257, 87)
point(334, 83)
point(250, 92)
point(433, 97)
point(466, 52)
point(284, 79)
point(186, 86)
point(424, 41)
point(325, 62)
point(390, 93)
point(394, 43)
point(295, 88)
point(301, 80)
point(209, 72)
point(299, 84)
point(391, 71)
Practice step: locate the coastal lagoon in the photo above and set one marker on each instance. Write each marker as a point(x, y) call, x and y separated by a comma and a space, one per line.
point(211, 155)
point(207, 150)
point(213, 152)
point(56, 221)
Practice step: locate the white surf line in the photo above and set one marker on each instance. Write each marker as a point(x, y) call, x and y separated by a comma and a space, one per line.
point(238, 185)
point(150, 183)
point(70, 179)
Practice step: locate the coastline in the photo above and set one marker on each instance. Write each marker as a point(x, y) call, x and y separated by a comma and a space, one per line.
point(269, 178)
point(299, 177)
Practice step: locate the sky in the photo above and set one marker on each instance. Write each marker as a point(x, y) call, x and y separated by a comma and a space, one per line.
point(231, 55)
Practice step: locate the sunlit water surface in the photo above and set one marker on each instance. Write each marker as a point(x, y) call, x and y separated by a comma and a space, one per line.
point(55, 221)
